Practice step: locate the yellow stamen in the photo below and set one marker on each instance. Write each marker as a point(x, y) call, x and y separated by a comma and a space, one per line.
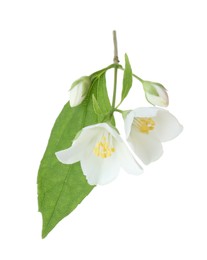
point(145, 124)
point(103, 148)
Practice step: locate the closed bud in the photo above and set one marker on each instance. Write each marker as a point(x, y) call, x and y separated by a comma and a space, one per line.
point(79, 90)
point(155, 93)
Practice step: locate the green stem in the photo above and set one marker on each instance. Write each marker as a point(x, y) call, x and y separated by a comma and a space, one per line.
point(118, 110)
point(115, 86)
point(141, 80)
point(118, 105)
point(116, 61)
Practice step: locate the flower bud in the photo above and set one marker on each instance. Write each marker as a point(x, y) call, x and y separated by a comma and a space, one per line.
point(79, 90)
point(155, 93)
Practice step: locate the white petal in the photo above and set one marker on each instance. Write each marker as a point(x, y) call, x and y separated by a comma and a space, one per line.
point(146, 111)
point(163, 95)
point(157, 100)
point(80, 145)
point(99, 170)
point(76, 95)
point(103, 126)
point(86, 134)
point(167, 126)
point(128, 162)
point(146, 146)
point(75, 152)
point(128, 123)
point(162, 98)
point(111, 130)
point(70, 155)
point(138, 112)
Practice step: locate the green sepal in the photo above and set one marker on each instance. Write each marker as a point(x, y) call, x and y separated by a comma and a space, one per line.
point(125, 113)
point(96, 107)
point(86, 81)
point(148, 87)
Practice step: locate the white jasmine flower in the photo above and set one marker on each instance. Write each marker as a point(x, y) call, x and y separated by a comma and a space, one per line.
point(146, 128)
point(101, 153)
point(155, 93)
point(79, 90)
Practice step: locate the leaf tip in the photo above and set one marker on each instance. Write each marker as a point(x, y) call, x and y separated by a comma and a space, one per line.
point(45, 232)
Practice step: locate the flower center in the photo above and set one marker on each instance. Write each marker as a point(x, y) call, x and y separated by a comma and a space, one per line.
point(145, 124)
point(103, 148)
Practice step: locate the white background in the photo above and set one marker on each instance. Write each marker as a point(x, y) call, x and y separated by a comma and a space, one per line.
point(44, 47)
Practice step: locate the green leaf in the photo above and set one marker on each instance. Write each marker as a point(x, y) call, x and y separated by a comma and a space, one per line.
point(127, 79)
point(62, 187)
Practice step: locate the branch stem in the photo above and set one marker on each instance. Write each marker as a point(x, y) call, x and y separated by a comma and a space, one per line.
point(116, 61)
point(115, 84)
